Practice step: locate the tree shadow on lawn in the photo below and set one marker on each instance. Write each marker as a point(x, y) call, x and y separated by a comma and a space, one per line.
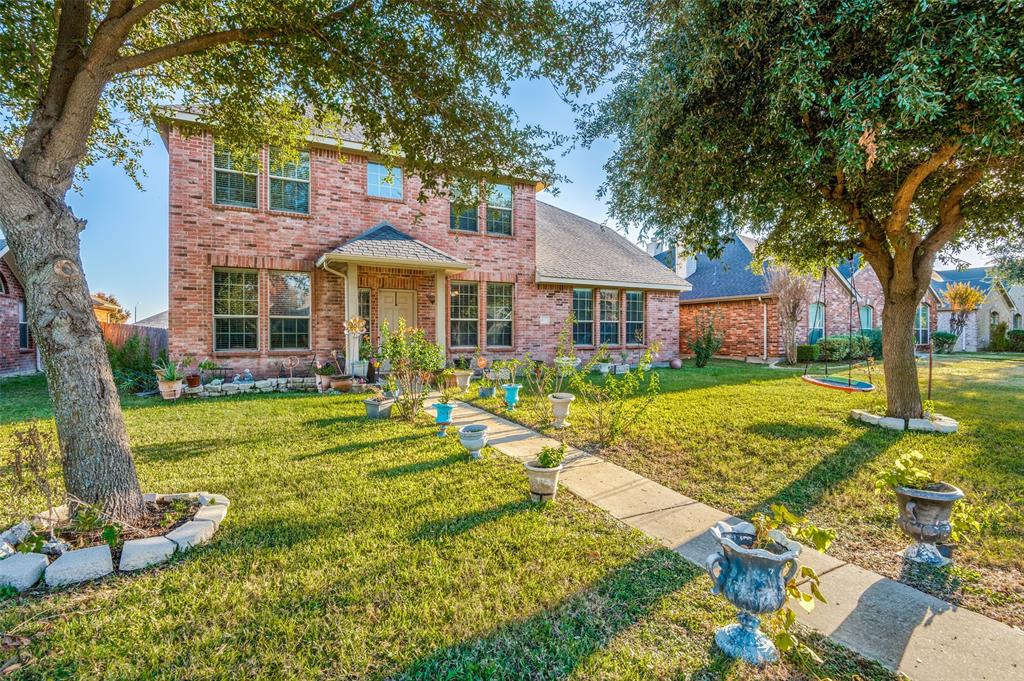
point(419, 466)
point(782, 430)
point(182, 449)
point(554, 642)
point(350, 447)
point(450, 527)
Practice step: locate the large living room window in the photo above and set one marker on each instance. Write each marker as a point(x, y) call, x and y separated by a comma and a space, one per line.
point(634, 318)
point(583, 316)
point(234, 180)
point(499, 315)
point(289, 182)
point(465, 314)
point(383, 182)
point(499, 209)
point(609, 307)
point(236, 309)
point(289, 310)
point(463, 217)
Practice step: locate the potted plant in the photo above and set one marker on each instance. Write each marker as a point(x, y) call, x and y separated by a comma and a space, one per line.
point(474, 438)
point(169, 378)
point(205, 366)
point(757, 571)
point(361, 366)
point(511, 394)
point(443, 408)
point(603, 361)
point(323, 374)
point(485, 387)
point(342, 383)
point(623, 366)
point(543, 473)
point(378, 406)
point(925, 507)
point(391, 389)
point(560, 408)
point(462, 372)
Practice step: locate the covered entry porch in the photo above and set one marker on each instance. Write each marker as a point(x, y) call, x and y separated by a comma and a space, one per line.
point(387, 276)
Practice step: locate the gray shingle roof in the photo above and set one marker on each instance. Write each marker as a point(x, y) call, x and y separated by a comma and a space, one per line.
point(384, 242)
point(727, 277)
point(978, 277)
point(159, 320)
point(570, 247)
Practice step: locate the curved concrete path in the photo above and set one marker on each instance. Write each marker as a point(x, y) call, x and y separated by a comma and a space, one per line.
point(905, 629)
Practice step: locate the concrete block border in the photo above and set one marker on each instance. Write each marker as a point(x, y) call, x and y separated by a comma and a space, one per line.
point(22, 571)
point(936, 423)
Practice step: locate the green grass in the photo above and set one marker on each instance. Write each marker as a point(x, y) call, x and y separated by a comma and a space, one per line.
point(369, 549)
point(741, 437)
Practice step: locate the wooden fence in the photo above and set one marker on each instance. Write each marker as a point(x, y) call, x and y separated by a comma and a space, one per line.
point(117, 334)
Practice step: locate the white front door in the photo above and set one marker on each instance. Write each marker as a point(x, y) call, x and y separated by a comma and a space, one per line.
point(395, 305)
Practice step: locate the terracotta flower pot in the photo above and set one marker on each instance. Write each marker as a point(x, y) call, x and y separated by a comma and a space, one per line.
point(192, 380)
point(342, 383)
point(170, 390)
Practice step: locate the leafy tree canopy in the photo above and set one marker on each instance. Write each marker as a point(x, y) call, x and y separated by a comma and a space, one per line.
point(827, 126)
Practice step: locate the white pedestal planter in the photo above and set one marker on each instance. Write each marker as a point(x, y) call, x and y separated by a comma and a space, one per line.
point(474, 438)
point(560, 408)
point(543, 481)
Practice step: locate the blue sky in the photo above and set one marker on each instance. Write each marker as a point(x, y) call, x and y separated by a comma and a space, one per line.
point(124, 246)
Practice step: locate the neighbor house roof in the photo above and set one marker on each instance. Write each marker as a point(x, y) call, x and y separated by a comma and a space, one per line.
point(574, 250)
point(728, 276)
point(385, 245)
point(159, 320)
point(978, 277)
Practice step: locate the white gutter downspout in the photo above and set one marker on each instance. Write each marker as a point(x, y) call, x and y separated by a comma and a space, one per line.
point(344, 297)
point(764, 332)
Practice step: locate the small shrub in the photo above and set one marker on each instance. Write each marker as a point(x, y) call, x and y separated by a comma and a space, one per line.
point(998, 340)
point(132, 364)
point(708, 341)
point(551, 457)
point(414, 360)
point(944, 342)
point(618, 402)
point(1015, 339)
point(874, 340)
point(834, 348)
point(807, 353)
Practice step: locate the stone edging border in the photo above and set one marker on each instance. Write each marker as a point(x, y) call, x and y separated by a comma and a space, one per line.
point(936, 423)
point(21, 571)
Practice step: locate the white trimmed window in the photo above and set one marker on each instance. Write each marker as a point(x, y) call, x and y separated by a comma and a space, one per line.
point(867, 317)
point(635, 318)
point(1017, 322)
point(499, 315)
point(383, 182)
point(583, 316)
point(24, 337)
point(235, 181)
point(289, 310)
point(922, 324)
point(364, 305)
point(815, 322)
point(499, 209)
point(236, 309)
point(609, 307)
point(464, 314)
point(289, 182)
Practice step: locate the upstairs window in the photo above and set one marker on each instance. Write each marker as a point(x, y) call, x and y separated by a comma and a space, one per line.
point(3, 284)
point(383, 182)
point(289, 182)
point(465, 314)
point(463, 218)
point(289, 310)
point(635, 318)
point(815, 322)
point(236, 309)
point(499, 209)
point(234, 180)
point(499, 315)
point(583, 316)
point(24, 338)
point(609, 301)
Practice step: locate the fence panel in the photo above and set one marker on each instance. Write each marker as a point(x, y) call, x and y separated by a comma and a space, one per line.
point(117, 334)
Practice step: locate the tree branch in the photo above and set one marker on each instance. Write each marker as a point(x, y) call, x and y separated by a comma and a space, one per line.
point(950, 218)
point(895, 224)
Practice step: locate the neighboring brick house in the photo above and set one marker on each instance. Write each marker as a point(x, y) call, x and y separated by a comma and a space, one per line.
point(17, 350)
point(269, 262)
point(998, 306)
point(746, 313)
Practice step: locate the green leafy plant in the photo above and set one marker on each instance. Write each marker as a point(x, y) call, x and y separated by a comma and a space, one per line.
point(997, 339)
point(7, 591)
point(551, 457)
point(171, 370)
point(414, 360)
point(1015, 339)
point(616, 403)
point(111, 534)
point(707, 340)
point(87, 519)
point(904, 472)
point(32, 543)
point(943, 342)
point(132, 364)
point(808, 353)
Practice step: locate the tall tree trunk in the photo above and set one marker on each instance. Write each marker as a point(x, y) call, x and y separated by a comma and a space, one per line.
point(43, 237)
point(902, 390)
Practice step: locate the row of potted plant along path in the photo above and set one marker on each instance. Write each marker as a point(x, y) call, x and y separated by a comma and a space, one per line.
point(42, 548)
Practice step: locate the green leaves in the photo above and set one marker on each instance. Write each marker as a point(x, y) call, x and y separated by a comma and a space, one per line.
point(904, 473)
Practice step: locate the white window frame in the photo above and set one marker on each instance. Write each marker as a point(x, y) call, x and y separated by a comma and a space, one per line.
point(271, 177)
point(271, 317)
point(572, 307)
point(231, 171)
point(811, 328)
point(510, 210)
point(397, 176)
point(924, 332)
point(451, 319)
point(488, 319)
point(24, 333)
point(601, 320)
point(213, 306)
point(643, 318)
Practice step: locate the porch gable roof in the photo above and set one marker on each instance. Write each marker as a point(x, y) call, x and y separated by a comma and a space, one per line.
point(384, 245)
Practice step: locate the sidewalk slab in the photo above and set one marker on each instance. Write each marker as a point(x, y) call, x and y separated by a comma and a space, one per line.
point(619, 491)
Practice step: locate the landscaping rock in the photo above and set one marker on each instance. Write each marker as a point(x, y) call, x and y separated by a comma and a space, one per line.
point(214, 388)
point(183, 495)
point(244, 387)
point(920, 424)
point(150, 497)
point(141, 553)
point(80, 566)
point(17, 534)
point(46, 519)
point(865, 416)
point(192, 533)
point(214, 513)
point(892, 423)
point(262, 385)
point(6, 550)
point(206, 499)
point(22, 570)
point(944, 424)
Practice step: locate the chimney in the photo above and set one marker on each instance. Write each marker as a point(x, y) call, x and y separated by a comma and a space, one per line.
point(653, 248)
point(687, 266)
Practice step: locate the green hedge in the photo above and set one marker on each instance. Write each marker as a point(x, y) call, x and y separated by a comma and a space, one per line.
point(1016, 340)
point(944, 342)
point(998, 341)
point(838, 348)
point(874, 338)
point(807, 353)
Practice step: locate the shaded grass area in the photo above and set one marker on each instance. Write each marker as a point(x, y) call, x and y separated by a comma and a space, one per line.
point(742, 437)
point(373, 549)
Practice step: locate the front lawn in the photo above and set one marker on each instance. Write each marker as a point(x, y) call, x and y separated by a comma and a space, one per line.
point(369, 549)
point(741, 437)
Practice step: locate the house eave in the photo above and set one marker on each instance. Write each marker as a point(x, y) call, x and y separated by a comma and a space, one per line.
point(447, 268)
point(608, 283)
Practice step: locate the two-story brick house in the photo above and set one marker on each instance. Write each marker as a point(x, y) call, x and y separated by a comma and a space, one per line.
point(268, 261)
point(17, 351)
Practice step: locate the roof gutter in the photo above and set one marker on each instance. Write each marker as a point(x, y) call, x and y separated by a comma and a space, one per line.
point(450, 268)
point(725, 299)
point(570, 281)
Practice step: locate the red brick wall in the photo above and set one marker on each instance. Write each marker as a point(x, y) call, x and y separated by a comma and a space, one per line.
point(203, 236)
point(13, 359)
point(740, 321)
point(870, 290)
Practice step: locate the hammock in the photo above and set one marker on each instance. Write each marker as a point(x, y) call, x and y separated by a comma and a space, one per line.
point(838, 383)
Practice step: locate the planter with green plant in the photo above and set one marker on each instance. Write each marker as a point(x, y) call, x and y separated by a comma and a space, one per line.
point(324, 373)
point(193, 378)
point(203, 367)
point(756, 569)
point(169, 378)
point(543, 473)
point(378, 406)
point(443, 410)
point(485, 386)
point(623, 366)
point(925, 507)
point(602, 360)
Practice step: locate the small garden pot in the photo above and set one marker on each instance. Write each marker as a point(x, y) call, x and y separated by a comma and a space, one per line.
point(474, 438)
point(192, 380)
point(169, 390)
point(462, 377)
point(342, 383)
point(543, 481)
point(675, 363)
point(605, 368)
point(924, 517)
point(622, 368)
point(323, 383)
point(511, 394)
point(487, 391)
point(378, 409)
point(560, 408)
point(359, 368)
point(754, 580)
point(443, 417)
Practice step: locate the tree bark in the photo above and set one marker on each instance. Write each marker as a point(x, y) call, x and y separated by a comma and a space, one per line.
point(902, 390)
point(43, 238)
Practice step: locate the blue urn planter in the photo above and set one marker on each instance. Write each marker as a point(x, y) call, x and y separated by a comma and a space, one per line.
point(511, 394)
point(487, 391)
point(443, 417)
point(754, 580)
point(924, 517)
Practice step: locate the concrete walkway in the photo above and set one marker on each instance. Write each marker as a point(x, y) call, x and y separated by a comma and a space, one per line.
point(906, 630)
